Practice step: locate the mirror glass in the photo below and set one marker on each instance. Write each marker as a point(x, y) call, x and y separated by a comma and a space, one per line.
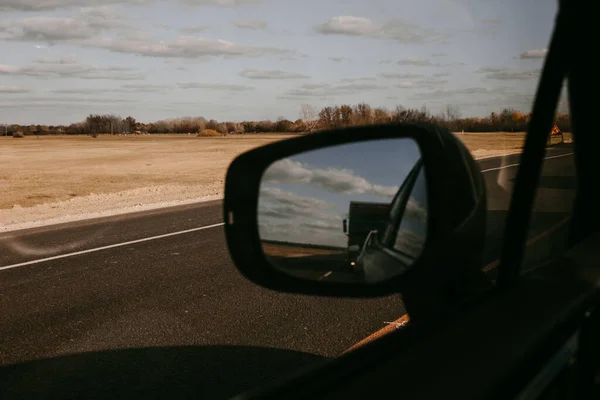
point(352, 213)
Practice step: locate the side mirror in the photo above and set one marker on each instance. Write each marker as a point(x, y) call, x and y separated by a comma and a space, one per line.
point(418, 186)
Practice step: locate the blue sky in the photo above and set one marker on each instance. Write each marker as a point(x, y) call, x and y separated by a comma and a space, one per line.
point(253, 59)
point(305, 198)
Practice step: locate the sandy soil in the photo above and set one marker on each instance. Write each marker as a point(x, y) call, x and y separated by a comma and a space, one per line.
point(47, 180)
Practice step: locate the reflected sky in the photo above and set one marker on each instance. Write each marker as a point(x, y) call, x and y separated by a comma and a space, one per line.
point(305, 198)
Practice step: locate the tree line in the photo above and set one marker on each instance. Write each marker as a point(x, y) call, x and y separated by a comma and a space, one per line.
point(311, 119)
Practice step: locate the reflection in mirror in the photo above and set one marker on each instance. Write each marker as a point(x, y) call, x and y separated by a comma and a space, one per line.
point(353, 213)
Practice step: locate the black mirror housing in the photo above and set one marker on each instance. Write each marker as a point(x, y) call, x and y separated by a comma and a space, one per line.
point(457, 210)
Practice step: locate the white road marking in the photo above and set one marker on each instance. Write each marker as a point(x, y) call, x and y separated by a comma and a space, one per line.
point(515, 165)
point(112, 246)
point(497, 156)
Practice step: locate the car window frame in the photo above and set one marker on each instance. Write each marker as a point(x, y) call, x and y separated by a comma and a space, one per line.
point(398, 205)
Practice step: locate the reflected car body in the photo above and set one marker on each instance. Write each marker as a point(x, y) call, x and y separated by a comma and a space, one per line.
point(363, 217)
point(377, 260)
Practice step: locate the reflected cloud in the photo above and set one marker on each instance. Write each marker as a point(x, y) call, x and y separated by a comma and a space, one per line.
point(341, 181)
point(415, 211)
point(289, 217)
point(409, 243)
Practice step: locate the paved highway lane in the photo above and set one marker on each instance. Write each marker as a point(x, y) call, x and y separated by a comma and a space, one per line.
point(552, 209)
point(184, 290)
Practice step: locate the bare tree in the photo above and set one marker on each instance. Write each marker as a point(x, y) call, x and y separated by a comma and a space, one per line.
point(326, 117)
point(308, 114)
point(381, 115)
point(346, 114)
point(451, 113)
point(363, 114)
point(129, 125)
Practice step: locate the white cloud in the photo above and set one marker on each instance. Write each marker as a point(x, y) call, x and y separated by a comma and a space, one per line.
point(400, 75)
point(84, 24)
point(14, 89)
point(47, 29)
point(214, 86)
point(127, 88)
point(146, 87)
point(101, 17)
point(195, 29)
point(181, 47)
point(395, 29)
point(364, 78)
point(114, 74)
point(491, 21)
point(419, 62)
point(294, 200)
point(490, 70)
point(50, 68)
point(430, 82)
point(271, 74)
point(409, 242)
point(338, 59)
point(422, 83)
point(87, 27)
point(505, 74)
point(470, 91)
point(221, 3)
point(335, 180)
point(252, 24)
point(411, 81)
point(287, 216)
point(44, 5)
point(327, 90)
point(47, 101)
point(415, 211)
point(69, 59)
point(534, 54)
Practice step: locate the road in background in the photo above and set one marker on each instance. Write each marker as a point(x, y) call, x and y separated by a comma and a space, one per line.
point(184, 289)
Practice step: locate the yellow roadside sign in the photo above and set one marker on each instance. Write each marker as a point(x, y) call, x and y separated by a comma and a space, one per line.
point(555, 130)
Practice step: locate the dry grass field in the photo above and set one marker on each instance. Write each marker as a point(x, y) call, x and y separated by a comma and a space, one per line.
point(54, 168)
point(50, 177)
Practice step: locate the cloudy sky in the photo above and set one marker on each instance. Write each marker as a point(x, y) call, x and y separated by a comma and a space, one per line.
point(305, 198)
point(262, 59)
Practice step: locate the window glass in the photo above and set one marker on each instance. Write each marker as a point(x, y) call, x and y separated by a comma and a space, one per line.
point(555, 195)
point(412, 231)
point(113, 112)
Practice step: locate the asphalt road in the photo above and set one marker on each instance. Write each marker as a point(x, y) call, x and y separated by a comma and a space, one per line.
point(183, 290)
